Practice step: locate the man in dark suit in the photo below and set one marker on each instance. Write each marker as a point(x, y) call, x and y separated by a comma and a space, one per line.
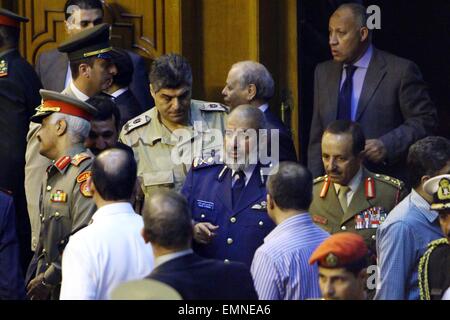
point(53, 66)
point(168, 227)
point(119, 91)
point(249, 82)
point(228, 200)
point(19, 96)
point(11, 277)
point(384, 93)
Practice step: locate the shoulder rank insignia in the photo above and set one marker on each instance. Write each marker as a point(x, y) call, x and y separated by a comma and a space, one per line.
point(59, 196)
point(370, 218)
point(3, 68)
point(82, 177)
point(326, 185)
point(369, 187)
point(62, 162)
point(136, 123)
point(79, 158)
point(200, 162)
point(390, 180)
point(213, 107)
point(260, 206)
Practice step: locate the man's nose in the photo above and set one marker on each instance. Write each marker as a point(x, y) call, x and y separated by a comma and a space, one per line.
point(113, 69)
point(333, 40)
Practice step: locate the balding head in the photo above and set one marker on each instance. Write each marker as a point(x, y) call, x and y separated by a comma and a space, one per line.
point(247, 117)
point(114, 175)
point(167, 220)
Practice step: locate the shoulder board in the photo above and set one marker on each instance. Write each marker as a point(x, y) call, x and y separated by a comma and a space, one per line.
point(390, 180)
point(136, 123)
point(319, 179)
point(436, 243)
point(209, 106)
point(3, 68)
point(79, 158)
point(200, 163)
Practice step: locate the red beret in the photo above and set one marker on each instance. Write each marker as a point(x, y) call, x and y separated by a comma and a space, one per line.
point(339, 250)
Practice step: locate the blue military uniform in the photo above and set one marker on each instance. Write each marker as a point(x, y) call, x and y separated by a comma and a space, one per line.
point(242, 229)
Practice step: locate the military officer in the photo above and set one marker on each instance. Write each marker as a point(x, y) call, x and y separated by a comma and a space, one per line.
point(228, 201)
point(349, 197)
point(434, 278)
point(19, 91)
point(167, 138)
point(65, 201)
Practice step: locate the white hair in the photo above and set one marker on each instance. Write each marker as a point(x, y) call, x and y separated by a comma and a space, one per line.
point(77, 128)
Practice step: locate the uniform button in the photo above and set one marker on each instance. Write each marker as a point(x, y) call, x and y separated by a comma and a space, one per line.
point(226, 261)
point(230, 241)
point(343, 228)
point(203, 216)
point(233, 220)
point(49, 188)
point(47, 264)
point(56, 214)
point(44, 251)
point(261, 223)
point(374, 237)
point(41, 215)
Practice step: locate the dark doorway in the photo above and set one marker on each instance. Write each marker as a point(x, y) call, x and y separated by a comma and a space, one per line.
point(418, 30)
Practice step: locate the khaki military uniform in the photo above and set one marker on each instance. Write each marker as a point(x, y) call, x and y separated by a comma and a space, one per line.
point(163, 157)
point(66, 205)
point(374, 198)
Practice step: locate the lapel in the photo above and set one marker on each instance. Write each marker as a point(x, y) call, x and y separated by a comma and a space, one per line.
point(359, 201)
point(333, 81)
point(60, 71)
point(375, 73)
point(224, 192)
point(252, 191)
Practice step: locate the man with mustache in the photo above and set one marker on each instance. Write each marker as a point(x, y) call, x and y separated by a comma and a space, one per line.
point(90, 56)
point(351, 198)
point(228, 200)
point(434, 277)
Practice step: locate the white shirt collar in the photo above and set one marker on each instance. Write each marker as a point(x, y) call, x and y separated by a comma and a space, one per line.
point(248, 171)
point(80, 95)
point(119, 92)
point(113, 209)
point(167, 257)
point(264, 107)
point(354, 183)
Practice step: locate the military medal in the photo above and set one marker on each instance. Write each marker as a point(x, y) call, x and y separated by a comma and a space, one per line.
point(3, 68)
point(370, 218)
point(84, 176)
point(85, 190)
point(60, 196)
point(260, 206)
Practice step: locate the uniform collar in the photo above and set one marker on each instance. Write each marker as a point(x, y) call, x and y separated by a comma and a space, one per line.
point(80, 95)
point(61, 164)
point(354, 183)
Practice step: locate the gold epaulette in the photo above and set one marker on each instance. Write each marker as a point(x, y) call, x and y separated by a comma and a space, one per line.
point(390, 180)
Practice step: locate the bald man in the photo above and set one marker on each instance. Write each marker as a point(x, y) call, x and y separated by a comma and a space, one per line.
point(110, 250)
point(228, 200)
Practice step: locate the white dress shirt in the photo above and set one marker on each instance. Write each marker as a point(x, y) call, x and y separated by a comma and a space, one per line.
point(80, 95)
point(68, 80)
point(106, 253)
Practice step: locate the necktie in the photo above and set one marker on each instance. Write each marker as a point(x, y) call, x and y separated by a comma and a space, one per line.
point(343, 190)
point(238, 186)
point(345, 95)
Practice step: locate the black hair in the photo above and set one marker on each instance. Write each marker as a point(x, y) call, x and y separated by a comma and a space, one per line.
point(82, 4)
point(352, 128)
point(106, 108)
point(170, 71)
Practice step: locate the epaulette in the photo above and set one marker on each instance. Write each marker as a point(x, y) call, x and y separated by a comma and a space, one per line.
point(199, 163)
point(390, 180)
point(319, 179)
point(136, 123)
point(326, 185)
point(213, 107)
point(3, 68)
point(79, 158)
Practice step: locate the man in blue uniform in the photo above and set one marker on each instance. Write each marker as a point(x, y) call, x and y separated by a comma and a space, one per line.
point(228, 200)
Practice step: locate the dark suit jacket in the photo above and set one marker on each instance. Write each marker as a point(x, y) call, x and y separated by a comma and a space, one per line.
point(11, 280)
point(197, 278)
point(22, 74)
point(394, 107)
point(128, 106)
point(286, 149)
point(51, 66)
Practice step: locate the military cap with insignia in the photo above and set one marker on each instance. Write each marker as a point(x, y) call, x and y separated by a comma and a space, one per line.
point(439, 188)
point(56, 102)
point(10, 19)
point(340, 250)
point(92, 42)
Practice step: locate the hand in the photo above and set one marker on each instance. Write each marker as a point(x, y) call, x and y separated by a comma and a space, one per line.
point(36, 290)
point(204, 232)
point(375, 151)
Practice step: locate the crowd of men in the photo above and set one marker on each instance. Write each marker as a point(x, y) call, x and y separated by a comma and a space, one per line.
point(134, 190)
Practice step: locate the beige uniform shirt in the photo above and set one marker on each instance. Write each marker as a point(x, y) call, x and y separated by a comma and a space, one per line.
point(163, 157)
point(66, 206)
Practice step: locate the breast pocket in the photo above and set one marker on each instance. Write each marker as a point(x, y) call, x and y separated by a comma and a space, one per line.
point(155, 180)
point(204, 211)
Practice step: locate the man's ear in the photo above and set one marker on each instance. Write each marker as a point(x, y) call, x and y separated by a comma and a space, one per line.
point(251, 92)
point(364, 34)
point(144, 235)
point(152, 92)
point(61, 127)
point(270, 202)
point(91, 185)
point(84, 70)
